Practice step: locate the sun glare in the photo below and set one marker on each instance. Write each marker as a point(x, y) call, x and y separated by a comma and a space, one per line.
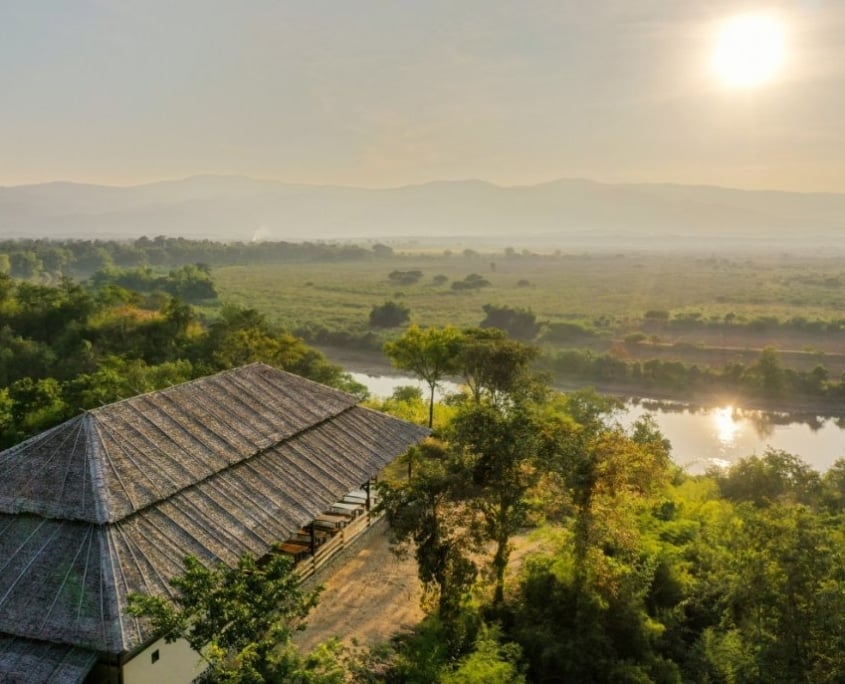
point(749, 50)
point(726, 426)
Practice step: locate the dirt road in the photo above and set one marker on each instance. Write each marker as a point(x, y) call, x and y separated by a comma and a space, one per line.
point(368, 595)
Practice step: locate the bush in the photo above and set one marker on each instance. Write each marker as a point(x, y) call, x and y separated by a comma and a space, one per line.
point(389, 315)
point(567, 332)
point(473, 281)
point(521, 324)
point(405, 277)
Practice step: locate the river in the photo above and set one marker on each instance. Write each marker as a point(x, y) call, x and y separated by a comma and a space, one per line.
point(704, 437)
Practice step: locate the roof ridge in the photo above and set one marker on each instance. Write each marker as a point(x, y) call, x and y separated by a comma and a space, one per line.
point(93, 452)
point(111, 602)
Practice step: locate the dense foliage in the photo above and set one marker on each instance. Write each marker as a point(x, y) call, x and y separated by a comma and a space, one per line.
point(639, 573)
point(192, 282)
point(70, 347)
point(30, 259)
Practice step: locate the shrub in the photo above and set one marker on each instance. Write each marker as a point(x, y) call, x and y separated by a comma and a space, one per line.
point(520, 324)
point(389, 315)
point(473, 281)
point(404, 277)
point(567, 332)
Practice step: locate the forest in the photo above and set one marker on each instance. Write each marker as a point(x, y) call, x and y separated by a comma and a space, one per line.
point(632, 570)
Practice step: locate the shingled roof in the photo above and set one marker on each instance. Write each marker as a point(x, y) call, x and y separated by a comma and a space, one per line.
point(111, 501)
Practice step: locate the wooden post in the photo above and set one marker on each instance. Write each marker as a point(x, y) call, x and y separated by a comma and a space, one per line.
point(367, 489)
point(313, 540)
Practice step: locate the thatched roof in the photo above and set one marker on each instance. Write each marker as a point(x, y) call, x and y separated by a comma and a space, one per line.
point(31, 662)
point(115, 460)
point(111, 502)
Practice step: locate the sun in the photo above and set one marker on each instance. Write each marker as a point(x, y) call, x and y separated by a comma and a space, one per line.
point(749, 50)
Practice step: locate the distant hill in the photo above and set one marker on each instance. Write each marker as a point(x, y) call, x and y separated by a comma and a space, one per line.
point(567, 212)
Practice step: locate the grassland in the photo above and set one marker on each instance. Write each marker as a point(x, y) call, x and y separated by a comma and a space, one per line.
point(601, 290)
point(720, 310)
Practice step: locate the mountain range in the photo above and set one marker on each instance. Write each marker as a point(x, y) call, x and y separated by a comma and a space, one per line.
point(562, 213)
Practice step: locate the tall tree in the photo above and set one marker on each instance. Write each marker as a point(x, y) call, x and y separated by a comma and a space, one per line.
point(499, 448)
point(430, 353)
point(426, 515)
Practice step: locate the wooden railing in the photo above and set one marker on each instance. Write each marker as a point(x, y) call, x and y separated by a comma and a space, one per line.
point(341, 539)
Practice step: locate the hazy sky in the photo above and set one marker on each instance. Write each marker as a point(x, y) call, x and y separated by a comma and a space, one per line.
point(391, 92)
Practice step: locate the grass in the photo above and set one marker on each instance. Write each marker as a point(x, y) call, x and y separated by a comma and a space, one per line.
point(618, 289)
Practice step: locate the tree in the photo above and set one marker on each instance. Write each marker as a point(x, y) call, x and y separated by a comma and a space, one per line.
point(494, 365)
point(389, 315)
point(581, 614)
point(519, 323)
point(382, 251)
point(25, 265)
point(607, 473)
point(833, 487)
point(430, 353)
point(192, 283)
point(489, 663)
point(499, 450)
point(776, 476)
point(405, 277)
point(242, 336)
point(36, 406)
point(768, 374)
point(169, 336)
point(782, 599)
point(424, 512)
point(233, 618)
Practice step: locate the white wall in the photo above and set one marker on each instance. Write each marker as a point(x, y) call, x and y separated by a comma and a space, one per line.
point(176, 664)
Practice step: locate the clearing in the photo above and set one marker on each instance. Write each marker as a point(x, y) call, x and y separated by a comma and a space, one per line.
point(368, 595)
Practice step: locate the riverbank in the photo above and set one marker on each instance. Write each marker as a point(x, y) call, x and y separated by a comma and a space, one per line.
point(376, 363)
point(798, 407)
point(712, 431)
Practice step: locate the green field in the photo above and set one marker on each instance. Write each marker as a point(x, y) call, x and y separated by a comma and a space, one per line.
point(609, 293)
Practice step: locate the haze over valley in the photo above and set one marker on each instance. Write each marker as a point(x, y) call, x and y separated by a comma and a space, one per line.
point(567, 213)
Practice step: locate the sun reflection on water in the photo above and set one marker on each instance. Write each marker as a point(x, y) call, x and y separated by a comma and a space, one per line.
point(726, 427)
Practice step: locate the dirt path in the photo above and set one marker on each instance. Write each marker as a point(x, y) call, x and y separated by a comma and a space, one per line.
point(368, 595)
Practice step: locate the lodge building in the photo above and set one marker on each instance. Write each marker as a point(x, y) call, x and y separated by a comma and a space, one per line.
point(110, 503)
